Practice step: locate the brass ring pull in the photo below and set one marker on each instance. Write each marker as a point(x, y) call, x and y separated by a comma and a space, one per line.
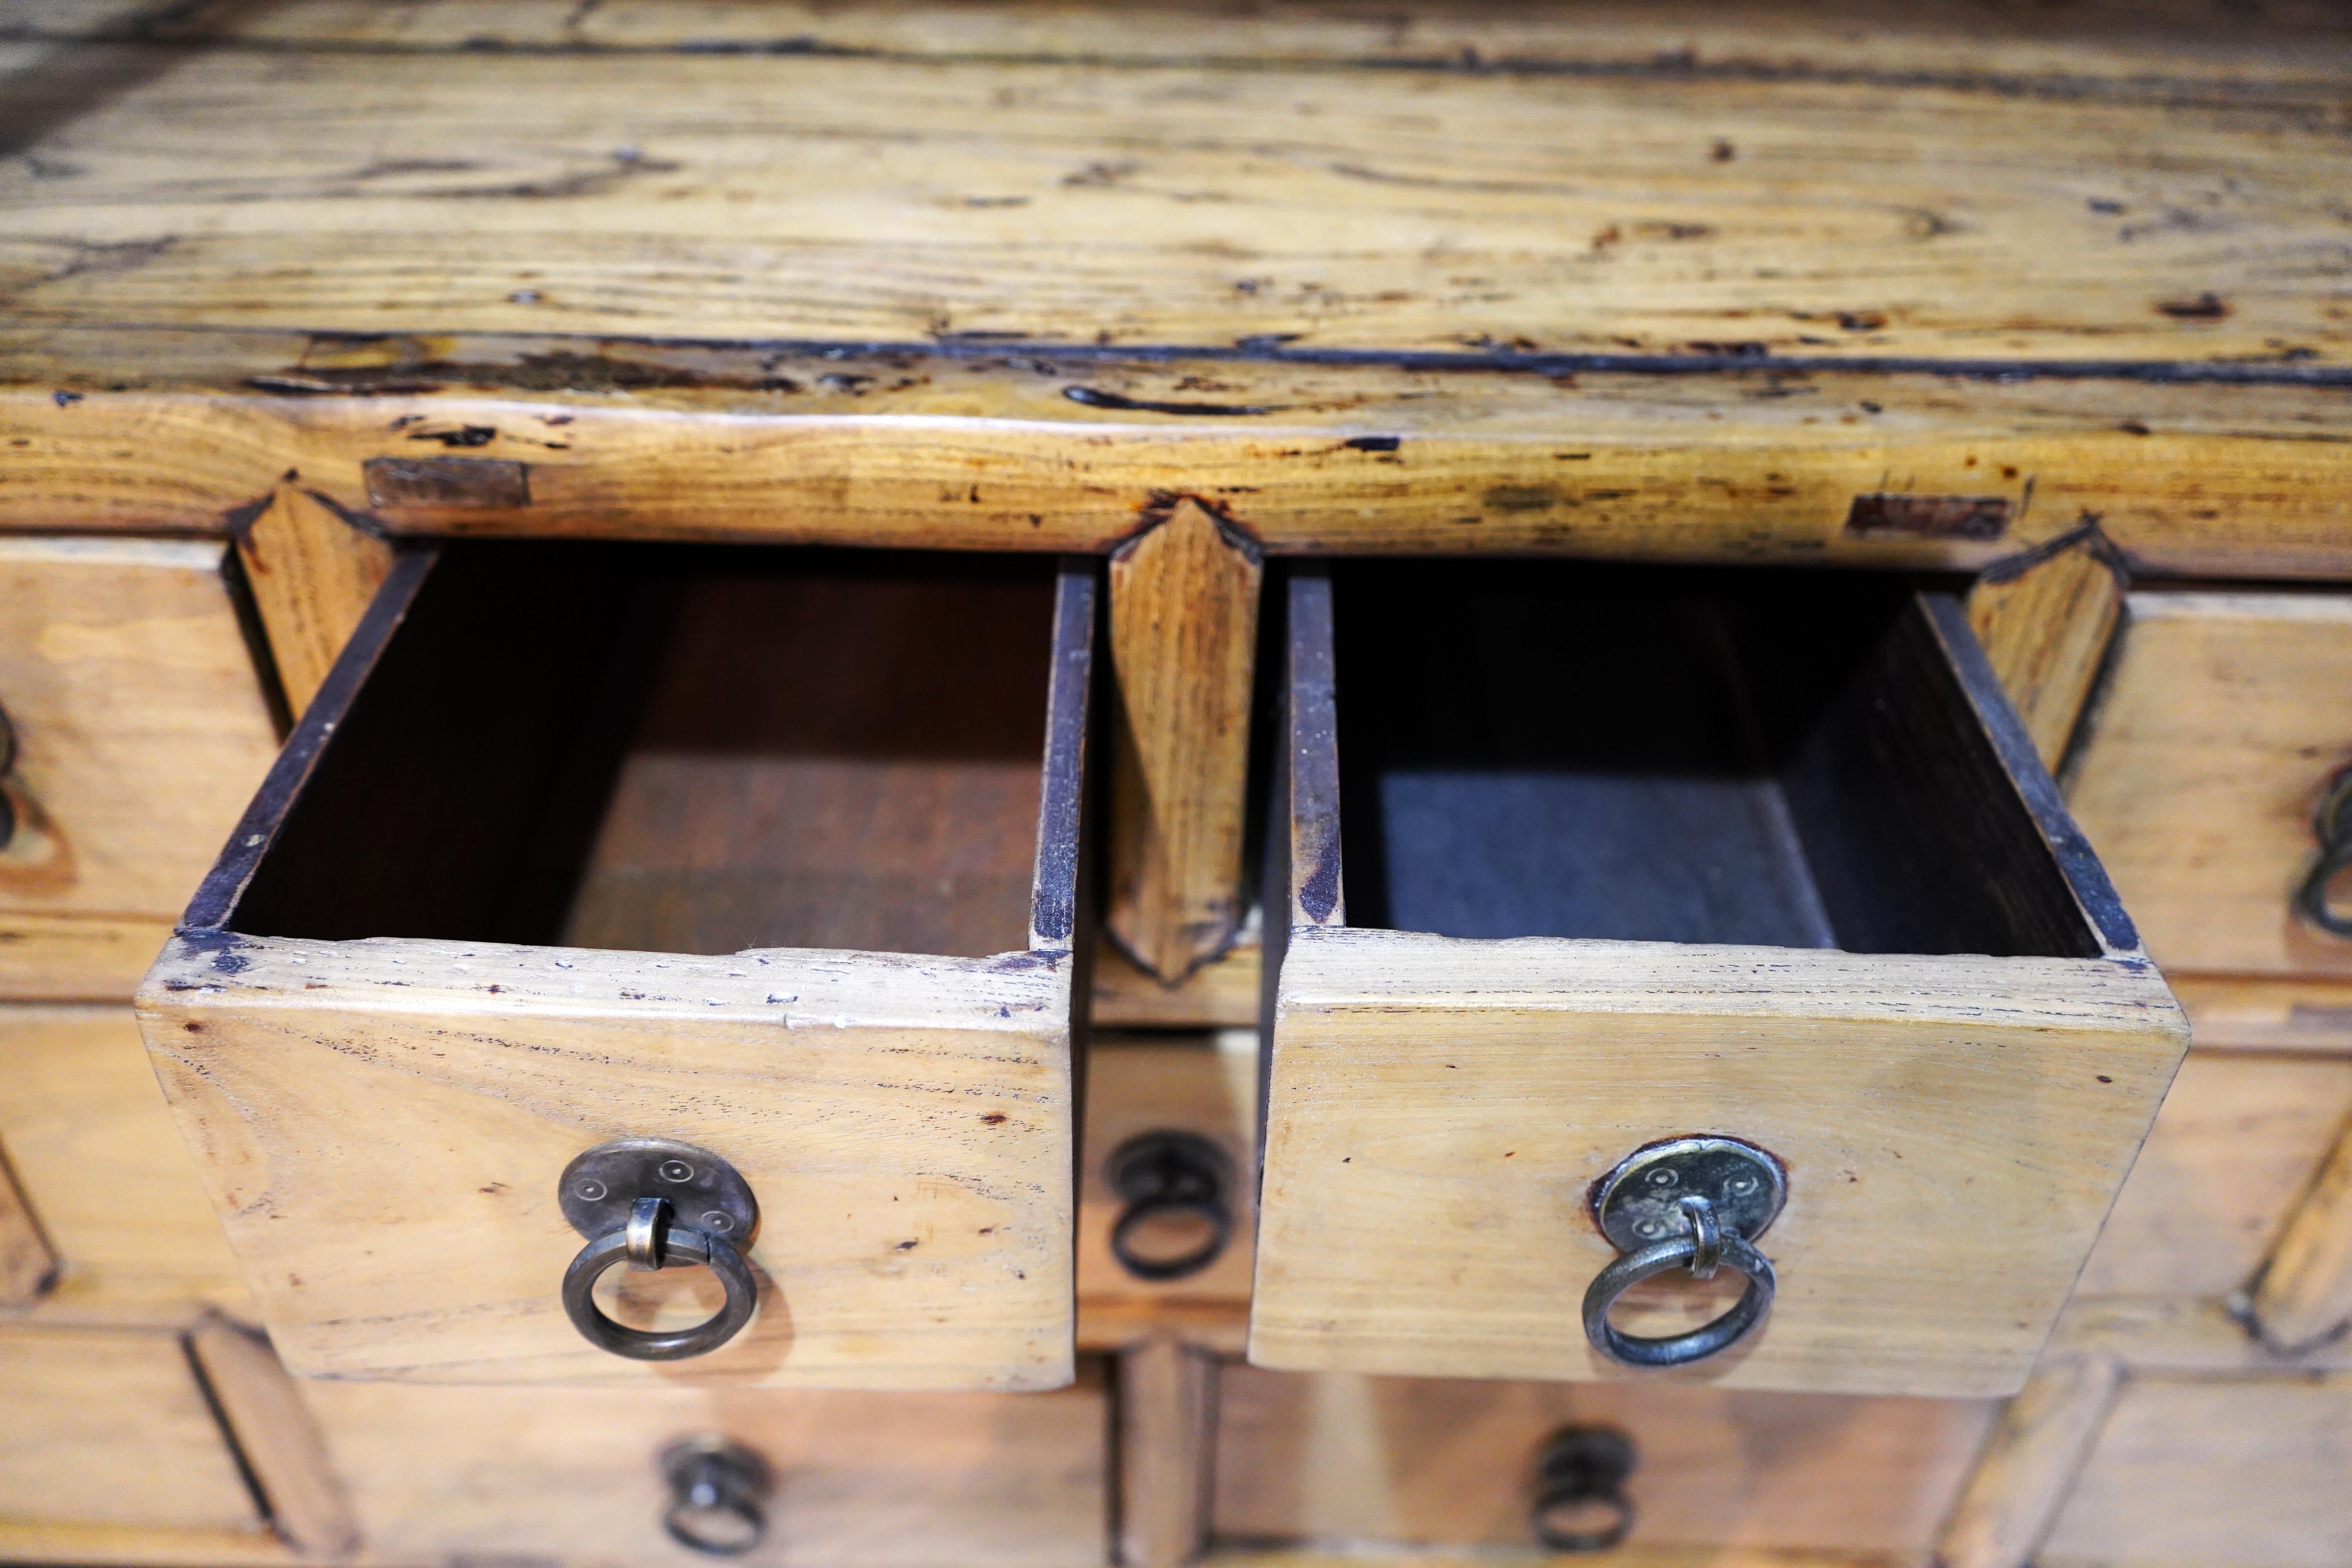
point(627, 1197)
point(2333, 826)
point(1690, 1203)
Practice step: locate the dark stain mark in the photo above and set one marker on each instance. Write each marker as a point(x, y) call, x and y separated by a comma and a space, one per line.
point(587, 183)
point(1373, 443)
point(903, 1247)
point(389, 166)
point(1266, 342)
point(1520, 498)
point(464, 436)
point(1102, 174)
point(1731, 351)
point(119, 255)
point(2105, 1079)
point(231, 963)
point(1930, 517)
point(995, 1118)
point(996, 200)
point(2206, 307)
point(1318, 895)
point(1443, 182)
point(448, 482)
point(2106, 208)
point(193, 1028)
point(64, 399)
point(2131, 427)
point(1093, 397)
point(1861, 320)
point(2087, 533)
point(1722, 152)
point(241, 518)
point(493, 1189)
point(320, 386)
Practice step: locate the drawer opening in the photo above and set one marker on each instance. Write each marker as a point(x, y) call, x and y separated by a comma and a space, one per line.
point(1774, 758)
point(686, 749)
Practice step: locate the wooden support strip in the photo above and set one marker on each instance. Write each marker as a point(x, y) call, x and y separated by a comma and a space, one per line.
point(2022, 1479)
point(28, 1264)
point(283, 1450)
point(1183, 640)
point(2302, 1297)
point(2200, 1336)
point(2045, 627)
point(1165, 1423)
point(312, 573)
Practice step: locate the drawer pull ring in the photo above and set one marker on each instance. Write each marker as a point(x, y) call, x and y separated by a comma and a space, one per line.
point(1690, 1203)
point(1578, 1469)
point(718, 1496)
point(2333, 827)
point(1166, 1175)
point(626, 1198)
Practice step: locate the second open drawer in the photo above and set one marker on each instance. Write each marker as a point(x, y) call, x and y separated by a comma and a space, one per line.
point(748, 850)
point(1583, 861)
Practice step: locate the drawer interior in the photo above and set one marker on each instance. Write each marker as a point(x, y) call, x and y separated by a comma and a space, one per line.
point(685, 749)
point(1783, 759)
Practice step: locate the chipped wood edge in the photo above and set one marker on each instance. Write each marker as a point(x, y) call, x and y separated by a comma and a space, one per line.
point(2028, 1468)
point(1183, 643)
point(279, 1440)
point(2301, 1297)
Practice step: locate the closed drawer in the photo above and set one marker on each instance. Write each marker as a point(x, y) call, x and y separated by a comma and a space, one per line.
point(748, 850)
point(109, 1427)
point(1431, 1462)
point(1583, 859)
point(2193, 1474)
point(104, 1172)
point(855, 1480)
point(2201, 769)
point(140, 730)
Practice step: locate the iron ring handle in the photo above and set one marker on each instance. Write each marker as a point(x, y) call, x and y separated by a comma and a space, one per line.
point(677, 1245)
point(2312, 899)
point(1677, 1349)
point(1221, 1231)
point(1620, 1520)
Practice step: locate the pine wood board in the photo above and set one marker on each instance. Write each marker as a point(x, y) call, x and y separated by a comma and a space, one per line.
point(140, 728)
point(106, 1171)
point(2030, 1464)
point(2235, 1012)
point(2197, 1474)
point(2204, 761)
point(1424, 1205)
point(2302, 1296)
point(1221, 994)
point(108, 1427)
point(906, 1123)
point(2181, 1334)
point(1416, 1464)
point(1167, 1436)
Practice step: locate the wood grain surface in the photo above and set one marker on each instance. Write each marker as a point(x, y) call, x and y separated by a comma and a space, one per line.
point(905, 1122)
point(1167, 1437)
point(28, 1264)
point(1408, 1465)
point(2253, 1012)
point(2303, 1296)
point(311, 575)
point(2045, 627)
point(1221, 994)
point(2226, 717)
point(279, 1446)
point(1183, 648)
point(95, 1149)
point(2028, 1468)
point(141, 732)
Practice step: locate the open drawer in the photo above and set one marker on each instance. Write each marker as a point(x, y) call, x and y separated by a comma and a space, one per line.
point(744, 858)
point(1589, 865)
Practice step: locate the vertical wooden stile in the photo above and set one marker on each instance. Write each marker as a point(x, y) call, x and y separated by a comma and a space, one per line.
point(2045, 627)
point(2302, 1296)
point(1166, 1420)
point(2027, 1471)
point(312, 576)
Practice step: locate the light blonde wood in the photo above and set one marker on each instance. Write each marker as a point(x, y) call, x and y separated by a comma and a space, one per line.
point(1340, 1459)
point(2215, 1475)
point(1183, 645)
point(2045, 629)
point(2237, 1142)
point(28, 1265)
point(2028, 1468)
point(2179, 1334)
point(2226, 716)
point(108, 1427)
point(1221, 994)
point(101, 1162)
point(1418, 1092)
point(2228, 1012)
point(904, 1121)
point(1619, 1557)
point(1167, 1413)
point(684, 440)
point(903, 1480)
point(157, 1548)
point(1205, 1085)
point(284, 1451)
point(2302, 1295)
point(1179, 205)
point(141, 732)
point(312, 574)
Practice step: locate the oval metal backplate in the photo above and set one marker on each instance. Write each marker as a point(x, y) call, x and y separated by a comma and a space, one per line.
point(1637, 1204)
point(704, 1192)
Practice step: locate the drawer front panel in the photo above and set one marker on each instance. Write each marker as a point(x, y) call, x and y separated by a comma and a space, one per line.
point(860, 1480)
point(2215, 1475)
point(1435, 1463)
point(1951, 1049)
point(141, 730)
point(109, 1427)
point(2204, 762)
point(77, 1097)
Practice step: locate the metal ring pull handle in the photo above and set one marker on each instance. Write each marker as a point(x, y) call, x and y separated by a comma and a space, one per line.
point(1580, 1469)
point(1689, 1204)
point(718, 1496)
point(1164, 1173)
point(626, 1196)
point(2333, 826)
